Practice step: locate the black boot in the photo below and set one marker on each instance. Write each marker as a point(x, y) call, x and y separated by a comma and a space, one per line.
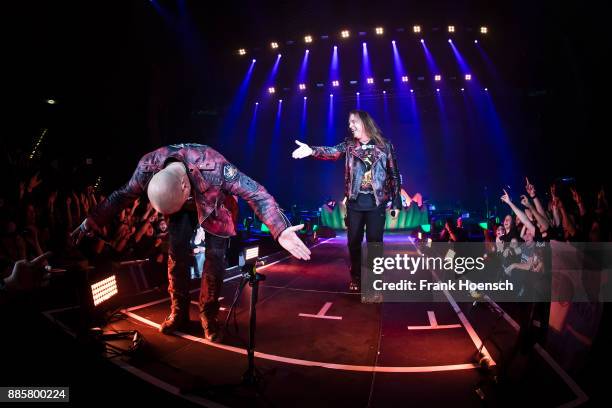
point(212, 329)
point(178, 317)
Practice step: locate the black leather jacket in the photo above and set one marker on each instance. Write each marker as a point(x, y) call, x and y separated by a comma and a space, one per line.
point(385, 174)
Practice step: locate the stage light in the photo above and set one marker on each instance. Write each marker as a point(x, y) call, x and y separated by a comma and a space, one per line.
point(307, 51)
point(437, 89)
point(404, 78)
point(393, 42)
point(384, 92)
point(305, 97)
point(422, 41)
point(475, 41)
point(486, 89)
point(357, 93)
point(353, 82)
point(451, 29)
point(364, 45)
point(379, 31)
point(412, 91)
point(251, 253)
point(387, 80)
point(331, 95)
point(416, 29)
point(345, 34)
point(104, 290)
point(468, 77)
point(253, 60)
point(302, 87)
point(50, 101)
point(370, 80)
point(271, 90)
point(438, 78)
point(274, 45)
point(256, 103)
point(450, 41)
point(335, 47)
point(484, 30)
point(320, 85)
point(308, 39)
point(280, 101)
point(335, 83)
point(462, 89)
point(241, 51)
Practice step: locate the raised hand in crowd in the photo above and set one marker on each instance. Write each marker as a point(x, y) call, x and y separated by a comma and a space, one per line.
point(34, 182)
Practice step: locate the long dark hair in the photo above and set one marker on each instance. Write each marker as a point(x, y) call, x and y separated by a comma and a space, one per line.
point(370, 126)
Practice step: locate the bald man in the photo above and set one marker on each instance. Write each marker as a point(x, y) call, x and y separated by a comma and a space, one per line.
point(193, 184)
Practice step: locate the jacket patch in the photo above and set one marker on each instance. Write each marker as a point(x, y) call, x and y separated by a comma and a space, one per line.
point(230, 172)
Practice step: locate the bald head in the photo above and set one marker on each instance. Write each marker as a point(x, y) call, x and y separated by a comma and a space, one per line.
point(169, 189)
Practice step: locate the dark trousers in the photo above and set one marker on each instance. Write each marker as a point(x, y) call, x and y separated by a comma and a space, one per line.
point(180, 260)
point(356, 221)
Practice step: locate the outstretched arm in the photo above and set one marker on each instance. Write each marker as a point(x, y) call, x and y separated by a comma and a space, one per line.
point(265, 208)
point(118, 200)
point(522, 216)
point(319, 152)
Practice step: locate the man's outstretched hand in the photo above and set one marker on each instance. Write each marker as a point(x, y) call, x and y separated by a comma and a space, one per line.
point(290, 241)
point(303, 151)
point(87, 228)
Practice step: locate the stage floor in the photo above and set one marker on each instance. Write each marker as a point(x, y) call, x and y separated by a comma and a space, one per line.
point(318, 345)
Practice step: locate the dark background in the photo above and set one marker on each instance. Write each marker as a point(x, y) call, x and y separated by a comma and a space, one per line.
point(129, 77)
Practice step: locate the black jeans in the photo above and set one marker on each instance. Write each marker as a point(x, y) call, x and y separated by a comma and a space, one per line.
point(180, 260)
point(374, 223)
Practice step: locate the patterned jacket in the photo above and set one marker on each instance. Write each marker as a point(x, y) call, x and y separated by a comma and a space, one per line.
point(212, 178)
point(385, 174)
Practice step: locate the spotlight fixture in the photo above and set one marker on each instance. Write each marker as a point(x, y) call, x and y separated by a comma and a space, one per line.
point(422, 41)
point(305, 97)
point(384, 92)
point(438, 78)
point(271, 90)
point(404, 78)
point(345, 34)
point(451, 29)
point(302, 87)
point(50, 101)
point(335, 83)
point(462, 89)
point(412, 91)
point(468, 77)
point(416, 29)
point(308, 39)
point(484, 30)
point(104, 290)
point(393, 42)
point(357, 93)
point(241, 51)
point(256, 103)
point(274, 45)
point(450, 41)
point(475, 41)
point(379, 31)
point(437, 89)
point(331, 95)
point(253, 60)
point(486, 89)
point(370, 80)
point(280, 101)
